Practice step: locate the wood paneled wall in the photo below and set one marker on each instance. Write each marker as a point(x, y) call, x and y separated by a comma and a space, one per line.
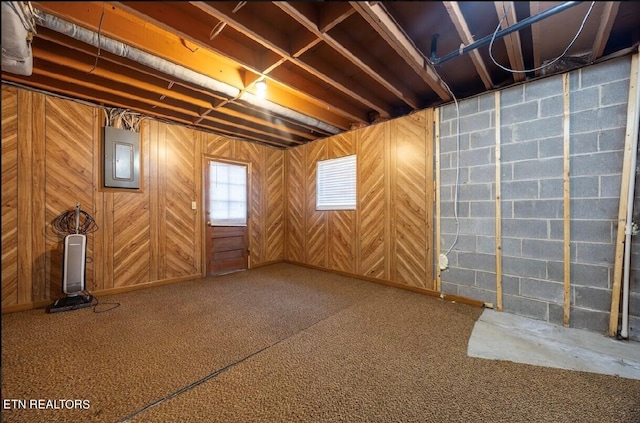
point(390, 235)
point(51, 160)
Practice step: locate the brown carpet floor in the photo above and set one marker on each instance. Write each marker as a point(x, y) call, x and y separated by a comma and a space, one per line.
point(284, 343)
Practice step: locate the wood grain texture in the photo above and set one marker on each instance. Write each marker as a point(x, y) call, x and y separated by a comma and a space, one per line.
point(371, 202)
point(316, 228)
point(69, 176)
point(254, 154)
point(296, 204)
point(9, 196)
point(274, 205)
point(179, 193)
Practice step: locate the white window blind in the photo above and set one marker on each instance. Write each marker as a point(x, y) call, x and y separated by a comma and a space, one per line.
point(336, 184)
point(227, 194)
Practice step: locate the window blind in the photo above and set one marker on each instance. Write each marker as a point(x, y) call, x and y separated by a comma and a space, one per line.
point(336, 184)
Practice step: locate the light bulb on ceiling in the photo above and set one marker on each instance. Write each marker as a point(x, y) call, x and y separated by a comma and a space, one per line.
point(261, 88)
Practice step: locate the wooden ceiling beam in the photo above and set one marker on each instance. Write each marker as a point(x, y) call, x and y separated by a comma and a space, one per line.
point(458, 20)
point(362, 95)
point(353, 54)
point(512, 41)
point(607, 18)
point(385, 26)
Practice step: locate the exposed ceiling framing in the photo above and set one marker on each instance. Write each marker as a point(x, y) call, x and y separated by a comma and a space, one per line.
point(329, 66)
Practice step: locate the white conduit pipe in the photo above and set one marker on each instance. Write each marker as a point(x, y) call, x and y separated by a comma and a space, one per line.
point(624, 330)
point(116, 47)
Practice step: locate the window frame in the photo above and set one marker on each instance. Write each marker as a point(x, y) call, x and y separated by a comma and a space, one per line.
point(328, 198)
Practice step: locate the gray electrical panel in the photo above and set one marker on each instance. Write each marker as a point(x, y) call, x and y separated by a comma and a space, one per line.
point(121, 158)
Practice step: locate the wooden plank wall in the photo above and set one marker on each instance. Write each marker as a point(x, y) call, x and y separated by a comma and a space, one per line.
point(51, 160)
point(390, 235)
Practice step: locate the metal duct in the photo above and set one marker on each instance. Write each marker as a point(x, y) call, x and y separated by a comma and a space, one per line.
point(118, 48)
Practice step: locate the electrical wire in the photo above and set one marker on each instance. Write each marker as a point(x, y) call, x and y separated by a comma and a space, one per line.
point(65, 223)
point(504, 16)
point(95, 64)
point(97, 303)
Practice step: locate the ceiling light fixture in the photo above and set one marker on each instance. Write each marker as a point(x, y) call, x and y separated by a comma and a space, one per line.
point(261, 88)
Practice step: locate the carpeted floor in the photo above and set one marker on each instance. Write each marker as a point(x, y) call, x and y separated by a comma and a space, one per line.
point(283, 343)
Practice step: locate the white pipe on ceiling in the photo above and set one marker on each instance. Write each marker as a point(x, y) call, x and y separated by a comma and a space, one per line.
point(118, 48)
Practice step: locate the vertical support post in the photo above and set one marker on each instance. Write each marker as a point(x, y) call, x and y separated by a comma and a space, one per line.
point(436, 120)
point(567, 201)
point(498, 206)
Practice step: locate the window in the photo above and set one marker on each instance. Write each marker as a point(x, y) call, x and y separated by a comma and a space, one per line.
point(336, 184)
point(227, 194)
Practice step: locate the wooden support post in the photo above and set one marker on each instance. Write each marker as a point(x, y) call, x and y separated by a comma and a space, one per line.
point(436, 118)
point(567, 201)
point(632, 116)
point(498, 207)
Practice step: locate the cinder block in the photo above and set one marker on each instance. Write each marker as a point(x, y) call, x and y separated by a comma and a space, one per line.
point(459, 276)
point(477, 261)
point(611, 139)
point(634, 328)
point(594, 208)
point(591, 231)
point(478, 294)
point(506, 172)
point(542, 290)
point(477, 226)
point(512, 247)
point(475, 192)
point(614, 93)
point(542, 249)
point(476, 122)
point(583, 143)
point(464, 243)
point(448, 112)
point(524, 267)
point(584, 99)
point(468, 106)
point(538, 169)
point(506, 134)
point(539, 128)
point(584, 186)
point(477, 157)
point(610, 186)
point(484, 138)
point(611, 70)
point(581, 274)
point(540, 209)
point(525, 228)
point(595, 253)
point(546, 87)
point(556, 229)
point(593, 298)
point(552, 188)
point(486, 280)
point(446, 208)
point(448, 176)
point(486, 102)
point(556, 314)
point(555, 270)
point(511, 96)
point(601, 118)
point(518, 190)
point(449, 288)
point(479, 174)
point(596, 321)
point(482, 209)
point(551, 147)
point(605, 163)
point(519, 151)
point(517, 113)
point(552, 106)
point(525, 307)
point(445, 129)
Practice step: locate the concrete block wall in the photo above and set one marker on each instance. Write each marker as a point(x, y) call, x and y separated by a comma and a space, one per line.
point(532, 196)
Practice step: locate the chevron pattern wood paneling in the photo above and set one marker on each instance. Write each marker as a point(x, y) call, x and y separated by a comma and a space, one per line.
point(410, 199)
point(131, 242)
point(69, 175)
point(9, 196)
point(51, 159)
point(316, 221)
point(296, 204)
point(371, 201)
point(274, 198)
point(179, 193)
point(253, 153)
point(342, 230)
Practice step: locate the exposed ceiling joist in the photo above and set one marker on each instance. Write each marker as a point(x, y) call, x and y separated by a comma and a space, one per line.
point(512, 41)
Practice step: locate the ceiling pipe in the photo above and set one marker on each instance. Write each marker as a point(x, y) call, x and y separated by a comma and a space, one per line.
point(120, 49)
point(486, 40)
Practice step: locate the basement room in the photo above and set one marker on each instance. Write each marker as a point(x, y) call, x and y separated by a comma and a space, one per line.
point(368, 211)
